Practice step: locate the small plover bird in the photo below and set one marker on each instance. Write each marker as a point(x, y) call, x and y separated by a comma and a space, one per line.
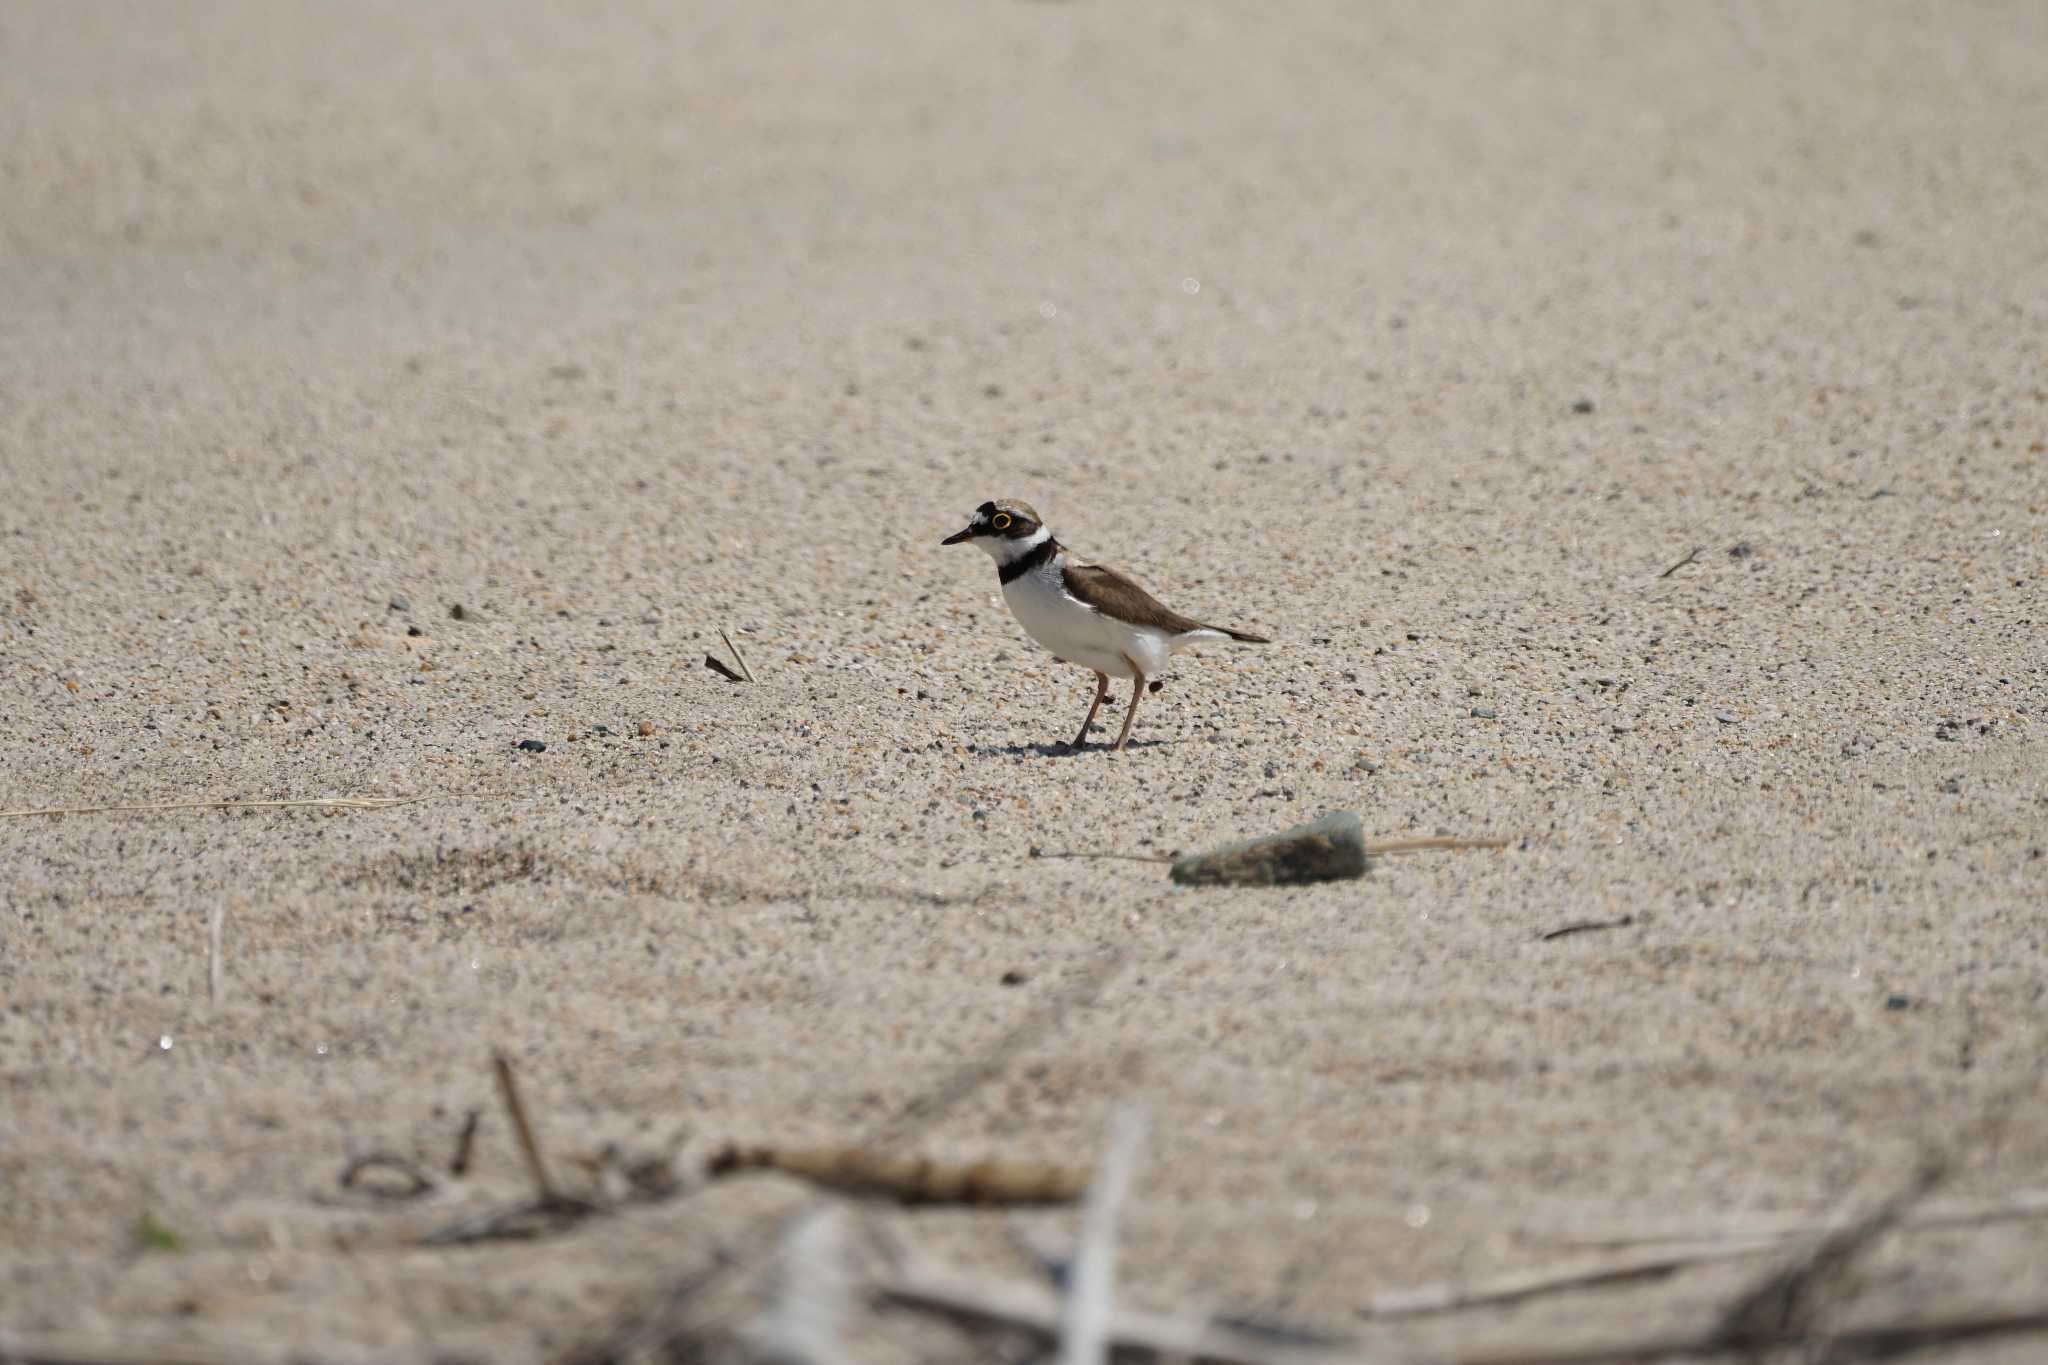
point(1084, 613)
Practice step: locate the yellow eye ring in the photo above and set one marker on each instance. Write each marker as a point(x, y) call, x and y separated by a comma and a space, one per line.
point(1001, 521)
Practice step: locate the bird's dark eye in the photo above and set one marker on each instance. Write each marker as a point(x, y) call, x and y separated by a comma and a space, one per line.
point(1001, 521)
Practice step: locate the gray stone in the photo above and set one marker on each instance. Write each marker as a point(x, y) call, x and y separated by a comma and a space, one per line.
point(1331, 849)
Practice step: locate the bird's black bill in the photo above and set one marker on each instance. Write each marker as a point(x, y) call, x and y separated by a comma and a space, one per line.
point(958, 536)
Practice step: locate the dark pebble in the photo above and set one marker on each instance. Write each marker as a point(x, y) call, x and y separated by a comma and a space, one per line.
point(400, 602)
point(458, 612)
point(414, 630)
point(1725, 717)
point(1583, 406)
point(1013, 977)
point(1897, 1002)
point(533, 746)
point(1485, 713)
point(1741, 549)
point(600, 729)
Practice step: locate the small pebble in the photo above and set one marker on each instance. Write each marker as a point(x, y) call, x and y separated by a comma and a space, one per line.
point(1583, 406)
point(647, 729)
point(533, 746)
point(1485, 713)
point(414, 631)
point(1725, 717)
point(400, 602)
point(1897, 1002)
point(458, 612)
point(1013, 977)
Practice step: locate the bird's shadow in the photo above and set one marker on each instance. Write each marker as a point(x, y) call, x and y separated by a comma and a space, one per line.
point(1063, 750)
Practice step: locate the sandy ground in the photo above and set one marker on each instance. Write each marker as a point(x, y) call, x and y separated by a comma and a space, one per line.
point(1424, 338)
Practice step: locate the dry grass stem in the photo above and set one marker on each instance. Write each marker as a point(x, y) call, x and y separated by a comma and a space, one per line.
point(1690, 556)
point(1781, 1227)
point(1031, 1308)
point(326, 802)
point(213, 934)
point(1449, 1296)
point(741, 658)
point(1439, 843)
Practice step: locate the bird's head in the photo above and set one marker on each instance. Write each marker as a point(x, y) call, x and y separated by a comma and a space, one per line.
point(1005, 528)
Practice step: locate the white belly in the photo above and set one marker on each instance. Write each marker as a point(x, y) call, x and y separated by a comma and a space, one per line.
point(1081, 635)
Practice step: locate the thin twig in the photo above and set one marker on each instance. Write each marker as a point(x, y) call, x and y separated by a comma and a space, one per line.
point(1875, 1341)
point(1691, 555)
point(529, 1144)
point(736, 654)
point(1586, 926)
point(522, 1222)
point(718, 666)
point(1030, 1308)
point(1091, 1295)
point(465, 1143)
point(1447, 1297)
point(213, 957)
point(1786, 1226)
point(1037, 852)
point(329, 802)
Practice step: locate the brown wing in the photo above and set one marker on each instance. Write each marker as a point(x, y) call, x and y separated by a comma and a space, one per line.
point(1112, 594)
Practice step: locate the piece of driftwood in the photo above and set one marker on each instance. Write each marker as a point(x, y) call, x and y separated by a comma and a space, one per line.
point(1091, 1290)
point(811, 1297)
point(1330, 849)
point(909, 1178)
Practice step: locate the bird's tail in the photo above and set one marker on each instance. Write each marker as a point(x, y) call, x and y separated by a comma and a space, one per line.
point(1243, 637)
